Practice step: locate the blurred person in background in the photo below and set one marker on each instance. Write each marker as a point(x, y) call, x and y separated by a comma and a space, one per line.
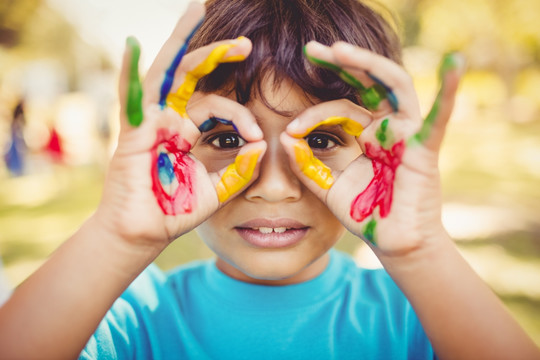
point(16, 149)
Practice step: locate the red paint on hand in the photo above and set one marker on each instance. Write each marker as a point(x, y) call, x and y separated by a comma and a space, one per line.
point(176, 198)
point(380, 189)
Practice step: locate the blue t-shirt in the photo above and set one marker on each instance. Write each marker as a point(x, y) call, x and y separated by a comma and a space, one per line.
point(197, 312)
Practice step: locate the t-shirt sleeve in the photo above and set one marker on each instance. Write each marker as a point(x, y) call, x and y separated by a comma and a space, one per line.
point(122, 332)
point(401, 324)
point(112, 338)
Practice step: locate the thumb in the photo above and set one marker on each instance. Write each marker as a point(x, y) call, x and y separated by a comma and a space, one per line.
point(434, 125)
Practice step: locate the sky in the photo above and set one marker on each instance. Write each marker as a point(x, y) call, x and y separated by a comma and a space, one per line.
point(107, 24)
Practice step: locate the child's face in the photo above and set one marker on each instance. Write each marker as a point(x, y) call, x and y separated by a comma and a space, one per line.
point(276, 231)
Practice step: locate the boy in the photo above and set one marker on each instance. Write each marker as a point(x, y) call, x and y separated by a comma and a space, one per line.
point(271, 158)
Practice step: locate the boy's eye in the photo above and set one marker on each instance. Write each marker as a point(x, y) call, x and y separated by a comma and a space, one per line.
point(227, 141)
point(321, 141)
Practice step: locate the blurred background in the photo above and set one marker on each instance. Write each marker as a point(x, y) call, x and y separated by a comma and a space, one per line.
point(59, 63)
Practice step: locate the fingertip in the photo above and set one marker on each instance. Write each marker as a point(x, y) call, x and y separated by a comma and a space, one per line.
point(452, 62)
point(243, 40)
point(451, 70)
point(254, 149)
point(313, 44)
point(256, 132)
point(313, 47)
point(133, 52)
point(293, 127)
point(192, 18)
point(239, 49)
point(196, 8)
point(132, 42)
point(287, 140)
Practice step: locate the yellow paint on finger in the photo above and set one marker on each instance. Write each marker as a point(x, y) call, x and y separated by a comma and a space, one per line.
point(312, 167)
point(233, 58)
point(350, 126)
point(178, 100)
point(237, 175)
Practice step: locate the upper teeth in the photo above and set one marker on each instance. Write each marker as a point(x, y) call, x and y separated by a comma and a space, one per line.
point(268, 230)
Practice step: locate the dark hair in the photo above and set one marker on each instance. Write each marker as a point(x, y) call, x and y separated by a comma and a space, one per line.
point(279, 29)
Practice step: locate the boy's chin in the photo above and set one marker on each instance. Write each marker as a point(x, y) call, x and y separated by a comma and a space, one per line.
point(269, 270)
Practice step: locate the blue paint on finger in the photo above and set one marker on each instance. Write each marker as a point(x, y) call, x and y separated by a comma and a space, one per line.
point(213, 121)
point(169, 73)
point(388, 93)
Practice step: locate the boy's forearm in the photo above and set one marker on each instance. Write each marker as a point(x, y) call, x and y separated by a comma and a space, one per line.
point(461, 315)
point(55, 311)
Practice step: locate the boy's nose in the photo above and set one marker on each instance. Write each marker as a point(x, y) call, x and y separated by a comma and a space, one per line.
point(276, 181)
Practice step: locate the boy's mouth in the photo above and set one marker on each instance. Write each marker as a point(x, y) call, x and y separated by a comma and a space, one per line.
point(269, 230)
point(267, 233)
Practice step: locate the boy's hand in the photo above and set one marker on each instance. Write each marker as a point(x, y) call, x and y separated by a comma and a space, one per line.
point(390, 195)
point(156, 190)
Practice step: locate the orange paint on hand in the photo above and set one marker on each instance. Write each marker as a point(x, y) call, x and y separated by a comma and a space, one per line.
point(311, 166)
point(237, 175)
point(178, 101)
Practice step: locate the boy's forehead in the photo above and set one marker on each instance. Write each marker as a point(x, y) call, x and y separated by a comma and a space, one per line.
point(283, 96)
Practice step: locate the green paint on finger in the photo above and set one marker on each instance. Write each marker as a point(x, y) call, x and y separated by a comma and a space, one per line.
point(134, 109)
point(371, 97)
point(345, 76)
point(423, 134)
point(369, 231)
point(449, 63)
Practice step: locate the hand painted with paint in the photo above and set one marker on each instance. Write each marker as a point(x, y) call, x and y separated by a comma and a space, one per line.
point(156, 189)
point(390, 195)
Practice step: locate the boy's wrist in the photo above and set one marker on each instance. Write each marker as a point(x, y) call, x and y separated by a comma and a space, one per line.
point(427, 250)
point(125, 244)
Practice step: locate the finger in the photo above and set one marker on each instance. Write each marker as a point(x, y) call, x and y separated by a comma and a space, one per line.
point(351, 117)
point(214, 55)
point(160, 76)
point(371, 95)
point(434, 125)
point(206, 111)
point(381, 70)
point(240, 173)
point(130, 85)
point(316, 175)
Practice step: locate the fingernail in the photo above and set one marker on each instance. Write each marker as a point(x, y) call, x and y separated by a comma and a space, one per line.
point(293, 126)
point(256, 131)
